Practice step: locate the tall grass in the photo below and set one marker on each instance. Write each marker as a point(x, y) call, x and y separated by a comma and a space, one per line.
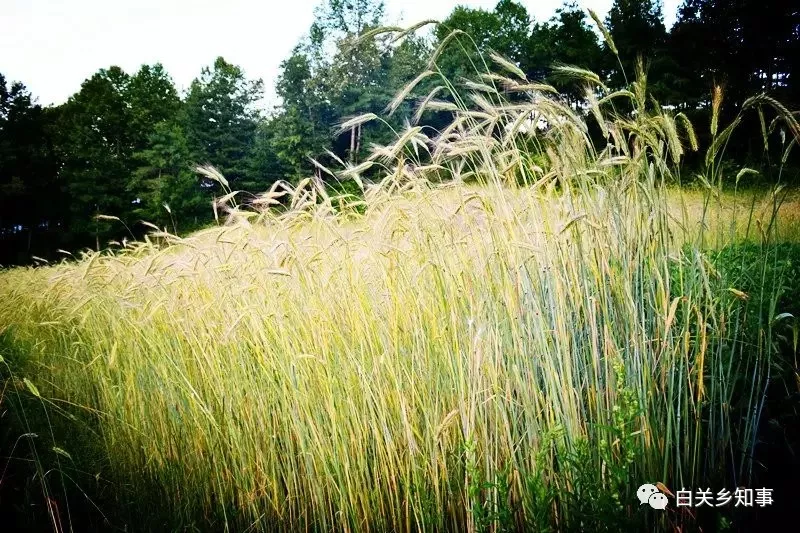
point(510, 330)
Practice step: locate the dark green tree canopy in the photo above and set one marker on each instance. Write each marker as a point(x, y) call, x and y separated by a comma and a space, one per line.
point(504, 30)
point(637, 27)
point(30, 197)
point(566, 39)
point(220, 119)
point(746, 45)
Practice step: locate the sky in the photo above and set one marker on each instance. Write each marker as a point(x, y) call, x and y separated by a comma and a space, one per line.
point(52, 46)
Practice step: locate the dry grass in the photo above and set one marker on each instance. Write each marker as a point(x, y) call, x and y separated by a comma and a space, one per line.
point(738, 215)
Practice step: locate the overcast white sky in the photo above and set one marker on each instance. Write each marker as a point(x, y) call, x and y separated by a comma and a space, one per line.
point(53, 45)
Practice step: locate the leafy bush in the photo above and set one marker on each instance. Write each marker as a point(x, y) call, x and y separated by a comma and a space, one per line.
point(764, 273)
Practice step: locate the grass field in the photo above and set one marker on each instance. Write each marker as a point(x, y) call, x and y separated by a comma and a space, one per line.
point(432, 356)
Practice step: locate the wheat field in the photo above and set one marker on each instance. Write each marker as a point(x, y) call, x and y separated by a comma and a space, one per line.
point(515, 347)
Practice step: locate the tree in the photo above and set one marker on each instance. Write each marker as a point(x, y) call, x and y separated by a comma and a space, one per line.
point(337, 19)
point(220, 119)
point(351, 74)
point(512, 30)
point(168, 191)
point(301, 127)
point(96, 141)
point(160, 151)
point(407, 61)
point(356, 83)
point(506, 30)
point(574, 41)
point(103, 132)
point(464, 55)
point(566, 39)
point(31, 203)
point(332, 75)
point(153, 99)
point(745, 45)
point(638, 30)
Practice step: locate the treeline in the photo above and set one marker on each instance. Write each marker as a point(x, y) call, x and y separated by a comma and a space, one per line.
point(126, 144)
